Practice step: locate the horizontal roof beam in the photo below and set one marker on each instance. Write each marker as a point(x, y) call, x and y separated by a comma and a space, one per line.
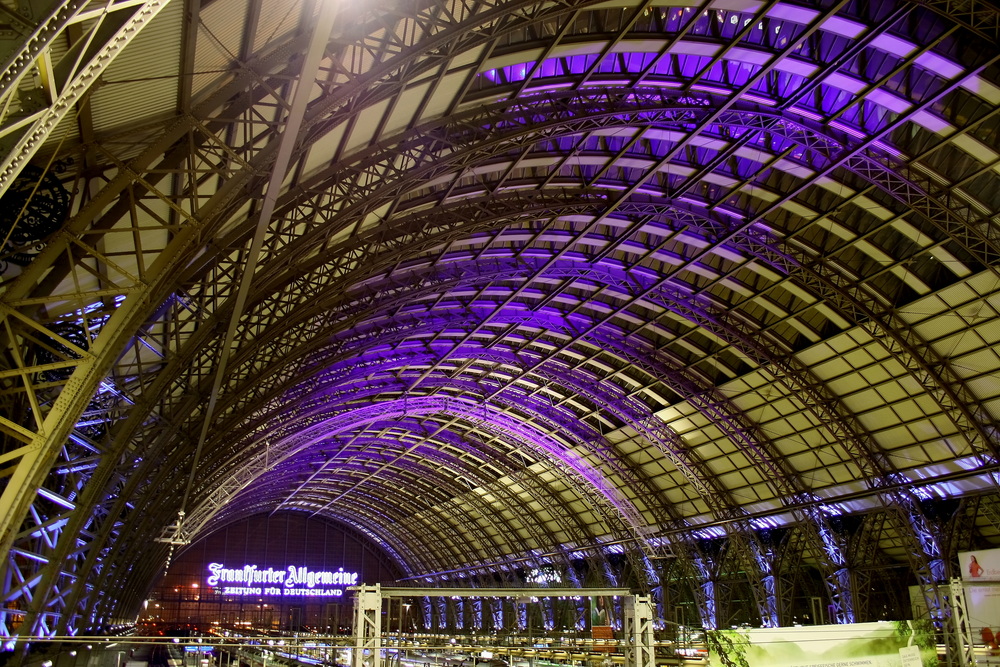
point(415, 591)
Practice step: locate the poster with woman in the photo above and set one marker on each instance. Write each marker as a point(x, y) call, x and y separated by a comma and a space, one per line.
point(981, 581)
point(601, 621)
point(981, 565)
point(600, 611)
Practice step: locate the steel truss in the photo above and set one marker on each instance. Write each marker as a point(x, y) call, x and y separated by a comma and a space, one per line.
point(66, 81)
point(637, 622)
point(367, 627)
point(638, 632)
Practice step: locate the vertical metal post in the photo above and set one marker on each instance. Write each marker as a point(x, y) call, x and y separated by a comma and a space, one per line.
point(367, 627)
point(959, 624)
point(637, 631)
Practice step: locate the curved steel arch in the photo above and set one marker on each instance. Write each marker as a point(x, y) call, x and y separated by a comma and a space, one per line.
point(579, 385)
point(408, 406)
point(93, 366)
point(720, 504)
point(366, 368)
point(919, 529)
point(465, 468)
point(365, 503)
point(477, 415)
point(826, 546)
point(951, 387)
point(679, 301)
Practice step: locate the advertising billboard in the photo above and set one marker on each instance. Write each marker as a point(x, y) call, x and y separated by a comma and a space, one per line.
point(881, 644)
point(981, 580)
point(982, 565)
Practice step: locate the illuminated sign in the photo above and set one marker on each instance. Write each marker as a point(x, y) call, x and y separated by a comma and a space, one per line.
point(291, 581)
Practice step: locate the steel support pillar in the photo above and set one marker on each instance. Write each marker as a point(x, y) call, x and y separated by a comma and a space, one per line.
point(960, 624)
point(367, 650)
point(638, 631)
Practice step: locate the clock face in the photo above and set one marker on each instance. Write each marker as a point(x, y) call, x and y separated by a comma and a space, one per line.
point(35, 206)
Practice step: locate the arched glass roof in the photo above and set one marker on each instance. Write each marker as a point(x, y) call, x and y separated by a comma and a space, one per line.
point(503, 283)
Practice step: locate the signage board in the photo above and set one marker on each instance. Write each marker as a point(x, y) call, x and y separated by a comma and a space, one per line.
point(982, 565)
point(876, 644)
point(292, 581)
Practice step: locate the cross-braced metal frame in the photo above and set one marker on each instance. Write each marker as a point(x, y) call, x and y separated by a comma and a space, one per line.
point(370, 602)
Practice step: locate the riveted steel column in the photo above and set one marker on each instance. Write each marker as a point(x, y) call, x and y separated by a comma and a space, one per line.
point(638, 632)
point(367, 627)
